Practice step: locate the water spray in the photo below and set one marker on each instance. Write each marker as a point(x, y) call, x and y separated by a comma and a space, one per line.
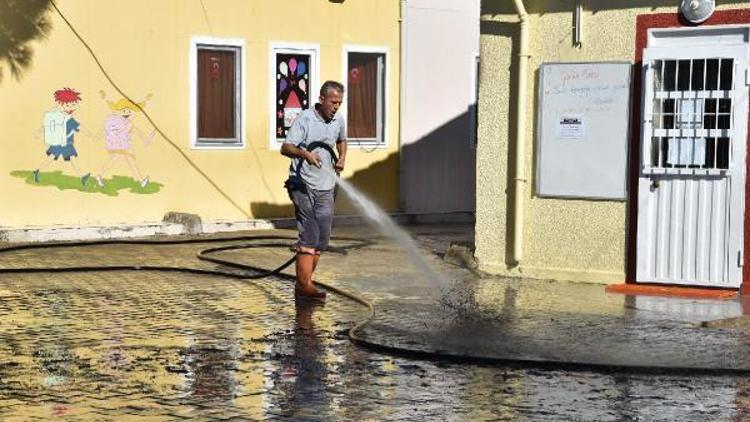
point(379, 218)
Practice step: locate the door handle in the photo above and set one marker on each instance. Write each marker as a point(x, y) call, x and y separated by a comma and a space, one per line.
point(654, 184)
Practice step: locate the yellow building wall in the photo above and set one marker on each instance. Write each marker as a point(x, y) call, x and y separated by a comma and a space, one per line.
point(144, 47)
point(569, 239)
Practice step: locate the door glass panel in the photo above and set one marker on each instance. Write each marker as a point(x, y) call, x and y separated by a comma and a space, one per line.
point(669, 75)
point(668, 106)
point(709, 116)
point(655, 154)
point(691, 113)
point(686, 152)
point(712, 74)
point(727, 67)
point(658, 114)
point(697, 81)
point(724, 115)
point(683, 75)
point(722, 153)
point(658, 76)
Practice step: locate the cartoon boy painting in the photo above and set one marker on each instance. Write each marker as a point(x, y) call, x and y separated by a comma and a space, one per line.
point(118, 129)
point(59, 132)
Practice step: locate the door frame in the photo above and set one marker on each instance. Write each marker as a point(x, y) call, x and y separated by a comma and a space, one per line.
point(643, 24)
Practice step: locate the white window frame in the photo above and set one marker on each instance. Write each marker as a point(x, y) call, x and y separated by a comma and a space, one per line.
point(213, 42)
point(282, 47)
point(368, 143)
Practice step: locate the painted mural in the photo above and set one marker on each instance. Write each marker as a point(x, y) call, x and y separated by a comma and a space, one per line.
point(59, 129)
point(58, 132)
point(118, 132)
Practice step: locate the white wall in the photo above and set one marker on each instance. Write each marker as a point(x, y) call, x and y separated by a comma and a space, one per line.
point(440, 46)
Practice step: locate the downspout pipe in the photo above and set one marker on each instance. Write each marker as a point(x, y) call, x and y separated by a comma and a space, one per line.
point(520, 152)
point(402, 102)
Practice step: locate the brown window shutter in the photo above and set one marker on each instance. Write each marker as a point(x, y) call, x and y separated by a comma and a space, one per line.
point(216, 94)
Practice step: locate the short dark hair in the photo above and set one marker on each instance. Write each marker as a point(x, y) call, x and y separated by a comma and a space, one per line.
point(331, 85)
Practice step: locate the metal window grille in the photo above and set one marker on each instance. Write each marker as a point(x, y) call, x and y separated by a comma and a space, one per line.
point(691, 122)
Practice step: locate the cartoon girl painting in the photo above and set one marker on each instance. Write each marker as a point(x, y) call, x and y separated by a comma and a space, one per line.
point(118, 129)
point(59, 131)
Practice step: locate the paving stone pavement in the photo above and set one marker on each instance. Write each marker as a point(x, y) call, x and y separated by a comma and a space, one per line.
point(171, 345)
point(89, 343)
point(142, 343)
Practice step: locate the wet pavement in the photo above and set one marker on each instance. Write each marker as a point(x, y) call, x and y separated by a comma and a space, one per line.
point(105, 345)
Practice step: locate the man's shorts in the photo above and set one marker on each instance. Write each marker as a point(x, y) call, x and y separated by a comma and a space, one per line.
point(313, 210)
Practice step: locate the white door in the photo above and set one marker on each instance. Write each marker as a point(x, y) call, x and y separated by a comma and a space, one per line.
point(692, 178)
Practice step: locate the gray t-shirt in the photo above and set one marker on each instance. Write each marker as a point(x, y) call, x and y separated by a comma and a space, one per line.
point(309, 127)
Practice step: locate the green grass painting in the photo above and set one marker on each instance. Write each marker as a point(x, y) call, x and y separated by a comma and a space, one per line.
point(112, 185)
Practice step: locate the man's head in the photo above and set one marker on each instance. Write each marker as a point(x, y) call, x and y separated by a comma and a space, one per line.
point(331, 96)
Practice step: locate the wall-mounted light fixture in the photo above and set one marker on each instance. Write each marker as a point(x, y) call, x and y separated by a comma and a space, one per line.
point(697, 11)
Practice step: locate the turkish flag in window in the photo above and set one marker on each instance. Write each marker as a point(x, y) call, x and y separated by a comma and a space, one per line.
point(363, 85)
point(216, 93)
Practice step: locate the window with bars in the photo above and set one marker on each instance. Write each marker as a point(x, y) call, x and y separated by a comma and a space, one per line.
point(692, 109)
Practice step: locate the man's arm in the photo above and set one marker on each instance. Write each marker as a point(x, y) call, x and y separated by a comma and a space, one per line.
point(292, 151)
point(341, 148)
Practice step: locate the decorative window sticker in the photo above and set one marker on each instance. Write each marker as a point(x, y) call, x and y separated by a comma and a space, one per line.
point(292, 89)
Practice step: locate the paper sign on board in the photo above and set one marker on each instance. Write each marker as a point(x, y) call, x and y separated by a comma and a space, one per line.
point(570, 127)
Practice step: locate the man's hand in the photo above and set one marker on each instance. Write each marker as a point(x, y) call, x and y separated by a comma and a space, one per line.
point(313, 158)
point(292, 151)
point(339, 166)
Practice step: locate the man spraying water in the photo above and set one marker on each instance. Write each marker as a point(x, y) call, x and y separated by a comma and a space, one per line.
point(310, 144)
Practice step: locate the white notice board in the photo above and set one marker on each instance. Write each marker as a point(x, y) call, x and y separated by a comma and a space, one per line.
point(582, 130)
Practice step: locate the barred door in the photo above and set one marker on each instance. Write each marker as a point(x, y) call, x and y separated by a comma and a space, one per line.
point(692, 179)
